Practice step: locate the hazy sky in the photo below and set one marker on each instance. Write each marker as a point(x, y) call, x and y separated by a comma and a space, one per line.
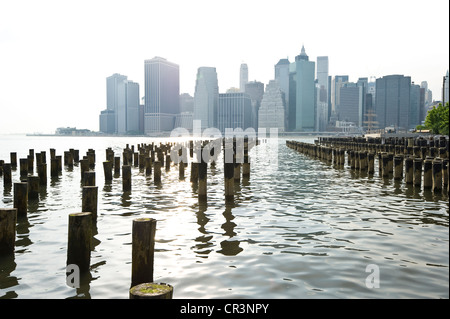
point(55, 55)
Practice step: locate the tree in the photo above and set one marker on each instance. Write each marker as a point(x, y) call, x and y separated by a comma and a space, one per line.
point(437, 119)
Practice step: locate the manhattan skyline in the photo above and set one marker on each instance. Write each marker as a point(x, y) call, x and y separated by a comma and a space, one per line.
point(54, 57)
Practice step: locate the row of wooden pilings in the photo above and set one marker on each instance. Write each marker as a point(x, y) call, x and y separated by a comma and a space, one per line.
point(422, 162)
point(83, 226)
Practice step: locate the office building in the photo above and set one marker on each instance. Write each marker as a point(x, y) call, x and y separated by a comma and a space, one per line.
point(162, 91)
point(323, 110)
point(255, 90)
point(336, 84)
point(302, 112)
point(351, 103)
point(206, 97)
point(415, 103)
point(282, 76)
point(445, 89)
point(392, 101)
point(243, 77)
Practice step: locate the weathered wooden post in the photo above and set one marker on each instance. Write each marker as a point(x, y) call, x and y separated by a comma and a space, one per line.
point(89, 178)
point(30, 160)
point(409, 170)
point(23, 167)
point(417, 168)
point(126, 178)
point(168, 160)
point(79, 241)
point(194, 172)
point(59, 162)
point(13, 160)
point(151, 291)
point(7, 175)
point(385, 164)
point(21, 198)
point(117, 165)
point(229, 183)
point(202, 168)
point(148, 166)
point(427, 173)
point(54, 168)
point(8, 220)
point(398, 167)
point(181, 169)
point(84, 167)
point(33, 187)
point(437, 175)
point(42, 173)
point(107, 170)
point(157, 173)
point(371, 163)
point(143, 249)
point(89, 202)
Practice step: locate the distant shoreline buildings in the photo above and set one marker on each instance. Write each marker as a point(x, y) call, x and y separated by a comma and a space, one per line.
point(302, 97)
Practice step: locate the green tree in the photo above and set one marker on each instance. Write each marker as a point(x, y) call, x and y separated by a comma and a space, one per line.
point(437, 119)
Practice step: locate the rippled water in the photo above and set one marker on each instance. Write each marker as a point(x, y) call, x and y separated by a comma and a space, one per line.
point(303, 229)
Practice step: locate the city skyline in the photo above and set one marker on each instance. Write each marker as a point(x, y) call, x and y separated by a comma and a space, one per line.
point(52, 63)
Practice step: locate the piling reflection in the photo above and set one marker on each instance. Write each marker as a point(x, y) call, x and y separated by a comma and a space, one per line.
point(229, 247)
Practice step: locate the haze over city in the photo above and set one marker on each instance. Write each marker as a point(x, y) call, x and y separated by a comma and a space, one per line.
point(55, 56)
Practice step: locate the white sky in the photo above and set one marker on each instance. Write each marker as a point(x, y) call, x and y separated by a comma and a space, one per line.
point(55, 55)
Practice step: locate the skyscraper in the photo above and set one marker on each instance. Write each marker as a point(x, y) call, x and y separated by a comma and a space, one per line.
point(392, 101)
point(162, 91)
point(206, 97)
point(271, 112)
point(445, 90)
point(337, 83)
point(322, 81)
point(351, 103)
point(122, 106)
point(302, 113)
point(282, 76)
point(415, 105)
point(243, 77)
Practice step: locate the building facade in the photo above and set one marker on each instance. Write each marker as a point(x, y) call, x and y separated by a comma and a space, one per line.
point(243, 77)
point(323, 110)
point(162, 91)
point(235, 111)
point(255, 90)
point(392, 101)
point(282, 77)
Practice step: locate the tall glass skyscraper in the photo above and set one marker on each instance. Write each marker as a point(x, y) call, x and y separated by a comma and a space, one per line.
point(243, 77)
point(206, 97)
point(302, 112)
point(162, 91)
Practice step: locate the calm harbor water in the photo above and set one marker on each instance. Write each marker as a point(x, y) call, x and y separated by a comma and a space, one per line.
point(301, 229)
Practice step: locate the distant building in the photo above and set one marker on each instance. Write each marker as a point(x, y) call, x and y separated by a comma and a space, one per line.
point(336, 84)
point(235, 111)
point(243, 77)
point(206, 97)
point(351, 103)
point(323, 110)
point(122, 106)
point(282, 76)
point(271, 111)
point(392, 101)
point(415, 105)
point(255, 90)
point(445, 90)
point(162, 91)
point(302, 113)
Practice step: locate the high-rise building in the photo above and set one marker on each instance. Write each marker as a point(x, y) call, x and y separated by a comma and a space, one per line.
point(162, 91)
point(392, 101)
point(122, 106)
point(302, 112)
point(255, 90)
point(235, 111)
point(185, 118)
point(282, 77)
point(445, 90)
point(271, 112)
point(322, 98)
point(415, 102)
point(336, 84)
point(351, 103)
point(243, 77)
point(206, 97)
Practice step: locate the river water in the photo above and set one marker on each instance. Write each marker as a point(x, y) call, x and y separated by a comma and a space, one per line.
point(299, 228)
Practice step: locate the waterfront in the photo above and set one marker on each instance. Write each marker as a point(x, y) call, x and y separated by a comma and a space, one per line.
point(303, 229)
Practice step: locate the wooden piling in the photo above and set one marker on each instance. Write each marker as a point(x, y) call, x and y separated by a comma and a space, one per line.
point(427, 173)
point(417, 169)
point(84, 167)
point(398, 167)
point(157, 173)
point(143, 249)
point(117, 165)
point(202, 168)
point(370, 163)
point(437, 175)
point(229, 183)
point(409, 170)
point(79, 240)
point(13, 160)
point(148, 166)
point(23, 167)
point(89, 201)
point(107, 170)
point(181, 170)
point(21, 198)
point(8, 220)
point(126, 178)
point(7, 175)
point(151, 291)
point(89, 178)
point(33, 187)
